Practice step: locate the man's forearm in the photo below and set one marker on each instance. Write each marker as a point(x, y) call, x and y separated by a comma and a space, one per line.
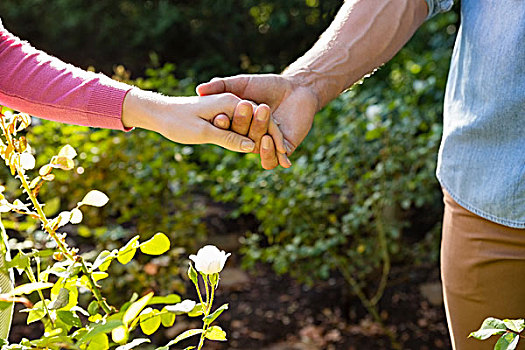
point(364, 35)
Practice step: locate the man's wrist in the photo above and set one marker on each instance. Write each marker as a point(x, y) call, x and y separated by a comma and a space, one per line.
point(302, 79)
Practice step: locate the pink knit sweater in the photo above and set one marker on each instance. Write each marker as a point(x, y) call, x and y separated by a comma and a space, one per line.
point(41, 85)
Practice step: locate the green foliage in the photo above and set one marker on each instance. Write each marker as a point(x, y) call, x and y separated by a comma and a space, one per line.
point(60, 275)
point(367, 166)
point(148, 177)
point(204, 37)
point(510, 331)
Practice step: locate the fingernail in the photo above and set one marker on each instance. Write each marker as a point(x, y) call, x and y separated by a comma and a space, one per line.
point(247, 145)
point(245, 110)
point(219, 123)
point(287, 161)
point(266, 143)
point(287, 146)
point(262, 117)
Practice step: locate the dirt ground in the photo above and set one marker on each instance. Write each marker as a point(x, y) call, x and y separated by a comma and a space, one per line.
point(273, 313)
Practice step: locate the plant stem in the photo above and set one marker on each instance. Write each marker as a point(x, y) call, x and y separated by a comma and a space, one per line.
point(61, 245)
point(209, 301)
point(212, 288)
point(42, 215)
point(370, 307)
point(199, 293)
point(94, 288)
point(32, 278)
point(381, 234)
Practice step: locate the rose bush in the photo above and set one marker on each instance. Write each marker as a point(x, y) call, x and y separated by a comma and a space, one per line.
point(60, 273)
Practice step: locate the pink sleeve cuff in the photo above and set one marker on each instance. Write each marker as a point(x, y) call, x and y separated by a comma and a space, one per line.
point(33, 82)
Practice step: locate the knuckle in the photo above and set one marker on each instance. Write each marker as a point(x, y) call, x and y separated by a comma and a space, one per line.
point(230, 139)
point(267, 156)
point(231, 97)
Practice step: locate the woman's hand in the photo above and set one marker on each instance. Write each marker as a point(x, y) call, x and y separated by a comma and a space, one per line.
point(188, 120)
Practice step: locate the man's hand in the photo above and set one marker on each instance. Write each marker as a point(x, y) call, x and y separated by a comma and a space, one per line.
point(293, 108)
point(256, 127)
point(363, 35)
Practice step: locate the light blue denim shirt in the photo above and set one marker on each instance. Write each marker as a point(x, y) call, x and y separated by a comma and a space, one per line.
point(481, 160)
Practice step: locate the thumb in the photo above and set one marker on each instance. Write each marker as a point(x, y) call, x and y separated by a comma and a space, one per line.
point(215, 86)
point(236, 85)
point(230, 140)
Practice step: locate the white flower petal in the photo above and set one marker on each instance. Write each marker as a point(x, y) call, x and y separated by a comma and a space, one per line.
point(209, 259)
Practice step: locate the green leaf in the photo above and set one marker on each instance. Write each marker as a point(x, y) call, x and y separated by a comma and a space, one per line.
point(20, 261)
point(168, 299)
point(61, 300)
point(101, 259)
point(507, 341)
point(120, 334)
point(489, 327)
point(215, 333)
point(181, 308)
point(99, 342)
point(93, 308)
point(515, 325)
point(197, 310)
point(133, 343)
point(211, 317)
point(36, 313)
point(69, 317)
point(185, 335)
point(53, 340)
point(76, 216)
point(136, 308)
point(95, 198)
point(29, 288)
point(156, 245)
point(374, 133)
point(149, 321)
point(214, 279)
point(192, 274)
point(72, 297)
point(99, 275)
point(99, 328)
point(68, 152)
point(127, 252)
point(167, 318)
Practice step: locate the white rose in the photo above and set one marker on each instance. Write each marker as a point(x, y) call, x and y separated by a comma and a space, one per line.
point(209, 259)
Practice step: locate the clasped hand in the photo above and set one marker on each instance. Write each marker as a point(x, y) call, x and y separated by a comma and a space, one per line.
point(219, 116)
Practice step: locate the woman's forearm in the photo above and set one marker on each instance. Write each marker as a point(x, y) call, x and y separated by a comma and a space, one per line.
point(364, 35)
point(33, 82)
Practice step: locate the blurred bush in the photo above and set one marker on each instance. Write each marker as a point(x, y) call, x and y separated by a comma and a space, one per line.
point(367, 165)
point(203, 37)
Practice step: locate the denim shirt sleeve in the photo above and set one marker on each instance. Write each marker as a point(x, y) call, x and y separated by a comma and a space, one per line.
point(437, 6)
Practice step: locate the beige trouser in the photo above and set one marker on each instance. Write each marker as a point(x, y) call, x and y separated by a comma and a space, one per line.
point(483, 274)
